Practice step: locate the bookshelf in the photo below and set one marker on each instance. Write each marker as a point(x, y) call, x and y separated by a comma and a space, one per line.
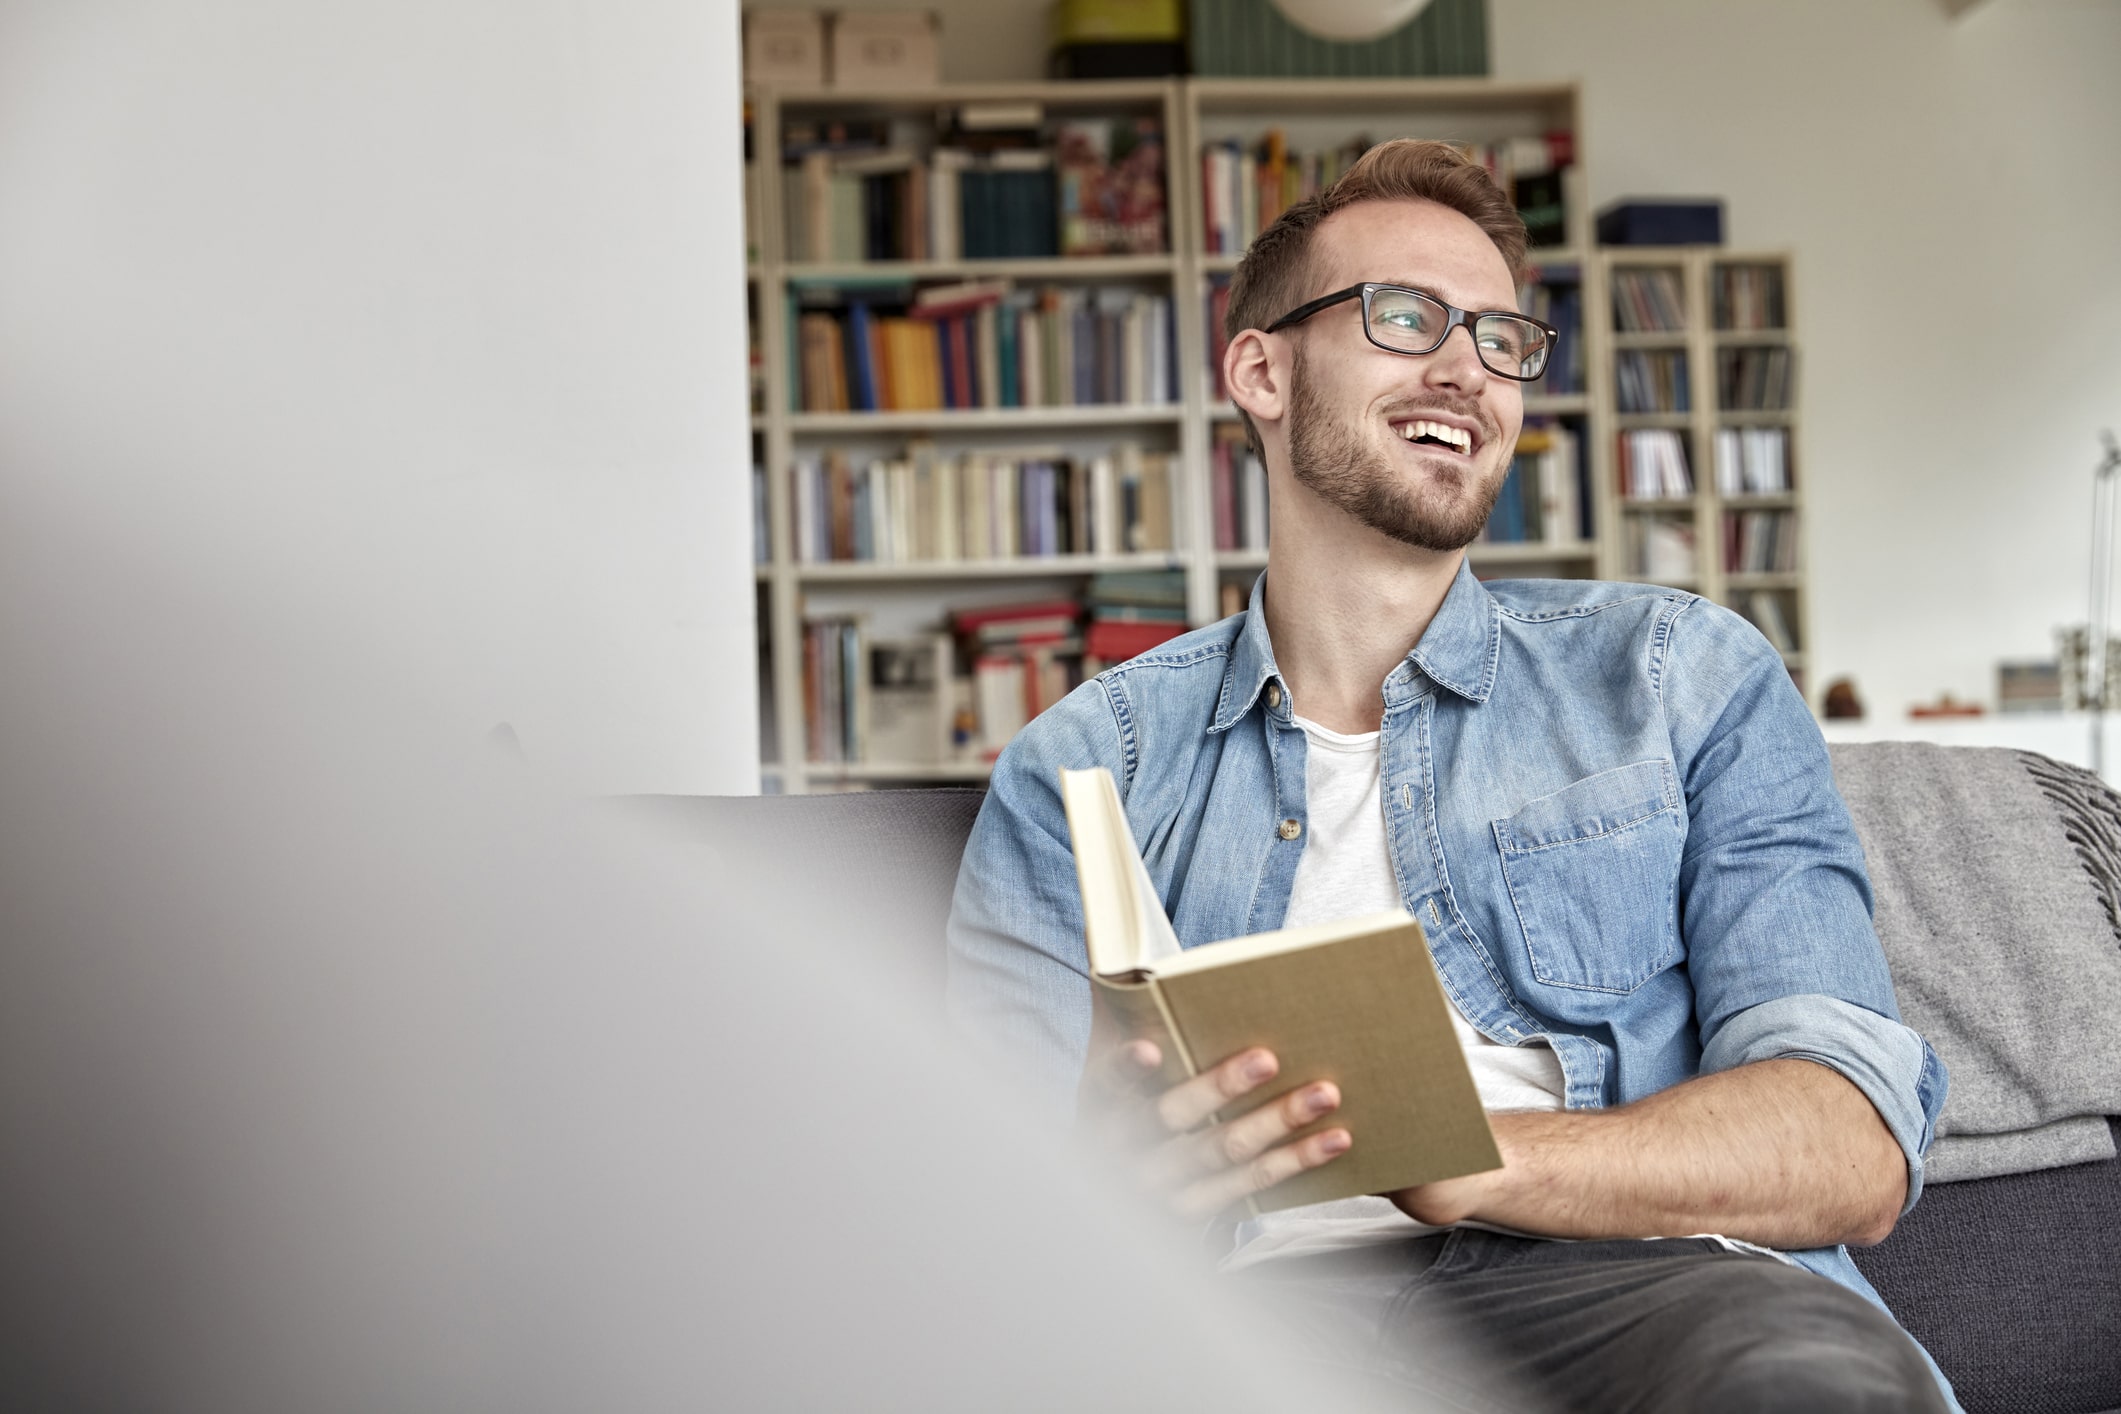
point(905, 596)
point(1714, 376)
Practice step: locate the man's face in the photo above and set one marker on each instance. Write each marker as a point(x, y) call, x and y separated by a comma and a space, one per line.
point(1356, 410)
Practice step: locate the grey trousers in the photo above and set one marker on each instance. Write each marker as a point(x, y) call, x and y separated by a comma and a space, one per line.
point(1472, 1320)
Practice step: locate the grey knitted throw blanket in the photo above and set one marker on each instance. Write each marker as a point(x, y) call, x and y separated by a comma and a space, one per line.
point(1998, 880)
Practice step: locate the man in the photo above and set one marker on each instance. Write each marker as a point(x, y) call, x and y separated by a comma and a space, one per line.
point(1607, 805)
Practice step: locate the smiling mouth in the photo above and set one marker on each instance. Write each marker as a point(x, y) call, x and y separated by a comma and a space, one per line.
point(1424, 433)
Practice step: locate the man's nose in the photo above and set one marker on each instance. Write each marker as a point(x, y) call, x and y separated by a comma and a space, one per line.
point(1456, 362)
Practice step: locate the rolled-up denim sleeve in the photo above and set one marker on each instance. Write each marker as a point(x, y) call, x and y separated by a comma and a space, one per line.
point(1774, 900)
point(1018, 980)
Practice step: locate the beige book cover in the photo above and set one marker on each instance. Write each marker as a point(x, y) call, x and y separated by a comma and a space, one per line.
point(1356, 1002)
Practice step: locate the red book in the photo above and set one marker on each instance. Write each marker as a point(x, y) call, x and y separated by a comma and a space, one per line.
point(1115, 642)
point(968, 620)
point(960, 331)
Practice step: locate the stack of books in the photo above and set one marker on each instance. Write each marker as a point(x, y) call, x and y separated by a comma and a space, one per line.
point(924, 506)
point(1009, 188)
point(1554, 295)
point(981, 344)
point(1653, 465)
point(1652, 380)
point(1542, 496)
point(1759, 542)
point(1752, 461)
point(1130, 613)
point(1024, 657)
point(1648, 301)
point(1246, 187)
point(1756, 378)
point(1748, 297)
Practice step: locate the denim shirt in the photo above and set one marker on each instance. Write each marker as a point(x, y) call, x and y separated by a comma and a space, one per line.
point(1607, 805)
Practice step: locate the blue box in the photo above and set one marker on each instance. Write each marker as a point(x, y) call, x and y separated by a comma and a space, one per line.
point(1639, 220)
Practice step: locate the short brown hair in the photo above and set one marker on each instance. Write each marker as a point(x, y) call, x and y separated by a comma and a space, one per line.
point(1275, 275)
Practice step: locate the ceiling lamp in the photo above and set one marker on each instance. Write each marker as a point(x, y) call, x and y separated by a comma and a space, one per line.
point(1349, 19)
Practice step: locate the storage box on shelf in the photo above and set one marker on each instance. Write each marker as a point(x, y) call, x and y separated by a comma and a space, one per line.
point(1706, 425)
point(988, 337)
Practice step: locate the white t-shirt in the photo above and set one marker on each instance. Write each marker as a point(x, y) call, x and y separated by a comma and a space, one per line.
point(1346, 871)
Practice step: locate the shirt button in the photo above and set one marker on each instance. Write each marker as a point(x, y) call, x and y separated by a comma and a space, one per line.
point(1274, 694)
point(1290, 829)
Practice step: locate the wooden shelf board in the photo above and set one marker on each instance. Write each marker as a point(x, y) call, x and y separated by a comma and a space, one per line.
point(1655, 419)
point(1752, 336)
point(1650, 339)
point(1556, 404)
point(1645, 505)
point(985, 419)
point(1762, 501)
point(1780, 579)
point(1071, 94)
point(1337, 95)
point(1755, 417)
point(1018, 567)
point(1066, 267)
point(1240, 560)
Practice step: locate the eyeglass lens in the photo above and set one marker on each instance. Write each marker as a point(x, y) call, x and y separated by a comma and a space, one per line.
point(1414, 323)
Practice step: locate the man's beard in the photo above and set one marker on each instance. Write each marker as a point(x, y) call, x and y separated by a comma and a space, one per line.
point(1332, 459)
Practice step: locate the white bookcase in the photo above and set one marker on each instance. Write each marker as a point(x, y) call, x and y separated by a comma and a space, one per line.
point(901, 597)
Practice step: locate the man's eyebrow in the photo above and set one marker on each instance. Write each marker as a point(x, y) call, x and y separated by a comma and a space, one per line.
point(1424, 287)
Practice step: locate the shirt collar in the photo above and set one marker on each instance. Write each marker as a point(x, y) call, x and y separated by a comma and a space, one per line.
point(1458, 652)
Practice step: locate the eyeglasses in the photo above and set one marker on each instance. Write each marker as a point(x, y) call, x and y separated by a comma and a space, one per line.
point(1404, 321)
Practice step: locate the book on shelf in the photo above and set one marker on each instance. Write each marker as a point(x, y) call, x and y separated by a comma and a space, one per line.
point(1661, 548)
point(1754, 377)
point(1218, 340)
point(1652, 380)
point(1554, 295)
point(1111, 184)
point(1356, 1002)
point(1541, 500)
point(761, 529)
point(1652, 464)
point(1752, 461)
point(1237, 490)
point(1648, 300)
point(924, 506)
point(835, 689)
point(1128, 612)
point(909, 701)
point(981, 344)
point(859, 191)
point(1759, 542)
point(1748, 298)
point(1245, 186)
point(1025, 657)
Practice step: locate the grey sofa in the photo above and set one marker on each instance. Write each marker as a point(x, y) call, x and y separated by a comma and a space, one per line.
point(2013, 1282)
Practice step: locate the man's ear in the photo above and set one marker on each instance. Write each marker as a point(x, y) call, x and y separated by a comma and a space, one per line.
point(1256, 373)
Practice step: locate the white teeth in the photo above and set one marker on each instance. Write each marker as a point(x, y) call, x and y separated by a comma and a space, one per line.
point(1442, 432)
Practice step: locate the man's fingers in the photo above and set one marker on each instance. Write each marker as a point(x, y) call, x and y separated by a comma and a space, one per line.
point(1211, 1195)
point(1186, 1105)
point(1124, 1072)
point(1245, 1138)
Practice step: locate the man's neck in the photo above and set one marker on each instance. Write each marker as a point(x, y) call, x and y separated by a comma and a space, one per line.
point(1343, 610)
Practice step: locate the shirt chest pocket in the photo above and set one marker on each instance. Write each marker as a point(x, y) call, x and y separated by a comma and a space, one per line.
point(1593, 873)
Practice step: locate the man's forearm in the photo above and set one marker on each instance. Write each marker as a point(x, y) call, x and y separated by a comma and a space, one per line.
point(1785, 1153)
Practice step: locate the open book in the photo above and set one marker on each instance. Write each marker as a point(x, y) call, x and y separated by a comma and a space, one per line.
point(1356, 1002)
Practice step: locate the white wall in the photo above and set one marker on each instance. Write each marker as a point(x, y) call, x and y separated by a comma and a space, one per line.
point(1950, 190)
point(1941, 182)
point(409, 333)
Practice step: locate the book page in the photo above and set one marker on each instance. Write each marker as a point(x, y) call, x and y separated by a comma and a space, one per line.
point(1124, 925)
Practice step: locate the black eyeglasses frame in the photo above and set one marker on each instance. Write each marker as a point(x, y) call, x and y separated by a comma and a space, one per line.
point(1369, 288)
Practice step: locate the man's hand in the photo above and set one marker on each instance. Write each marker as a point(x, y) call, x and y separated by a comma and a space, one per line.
point(1195, 1173)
